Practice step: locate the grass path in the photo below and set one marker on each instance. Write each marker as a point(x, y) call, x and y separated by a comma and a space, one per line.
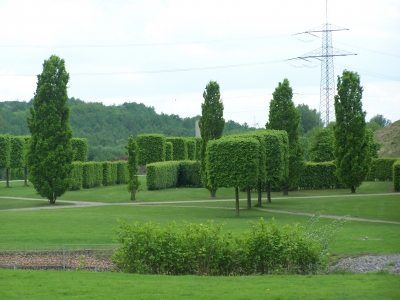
point(81, 204)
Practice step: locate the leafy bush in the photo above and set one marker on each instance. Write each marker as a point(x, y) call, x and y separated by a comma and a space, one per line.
point(122, 172)
point(92, 174)
point(319, 176)
point(189, 174)
point(80, 146)
point(162, 175)
point(396, 175)
point(169, 151)
point(381, 169)
point(180, 147)
point(109, 173)
point(191, 148)
point(76, 176)
point(202, 249)
point(151, 148)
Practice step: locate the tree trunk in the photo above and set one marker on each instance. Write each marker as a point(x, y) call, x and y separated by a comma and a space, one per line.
point(52, 200)
point(133, 194)
point(237, 201)
point(248, 190)
point(259, 194)
point(269, 191)
point(285, 190)
point(213, 192)
point(7, 177)
point(25, 176)
point(353, 189)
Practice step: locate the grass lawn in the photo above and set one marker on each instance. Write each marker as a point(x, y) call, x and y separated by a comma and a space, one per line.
point(83, 285)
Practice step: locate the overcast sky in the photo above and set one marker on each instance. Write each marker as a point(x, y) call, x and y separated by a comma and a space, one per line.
point(163, 53)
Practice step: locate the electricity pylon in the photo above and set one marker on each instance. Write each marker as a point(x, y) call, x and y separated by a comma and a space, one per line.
point(325, 54)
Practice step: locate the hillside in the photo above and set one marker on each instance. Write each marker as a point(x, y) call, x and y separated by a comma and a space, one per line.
point(107, 128)
point(389, 136)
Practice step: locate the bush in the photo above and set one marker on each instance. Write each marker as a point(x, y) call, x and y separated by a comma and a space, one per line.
point(180, 148)
point(189, 174)
point(381, 169)
point(202, 249)
point(318, 176)
point(169, 151)
point(396, 175)
point(151, 148)
point(191, 148)
point(92, 174)
point(162, 175)
point(122, 172)
point(80, 146)
point(76, 176)
point(109, 173)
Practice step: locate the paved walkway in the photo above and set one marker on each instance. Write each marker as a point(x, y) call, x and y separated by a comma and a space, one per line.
point(82, 204)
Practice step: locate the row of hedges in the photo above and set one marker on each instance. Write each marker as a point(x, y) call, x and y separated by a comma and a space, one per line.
point(396, 176)
point(204, 249)
point(317, 176)
point(93, 174)
point(162, 175)
point(381, 169)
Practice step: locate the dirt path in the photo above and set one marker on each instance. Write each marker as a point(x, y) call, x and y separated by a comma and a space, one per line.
point(82, 204)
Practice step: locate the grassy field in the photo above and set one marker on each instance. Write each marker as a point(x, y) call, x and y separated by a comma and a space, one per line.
point(51, 228)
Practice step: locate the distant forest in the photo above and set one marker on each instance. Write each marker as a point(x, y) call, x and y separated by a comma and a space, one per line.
point(107, 128)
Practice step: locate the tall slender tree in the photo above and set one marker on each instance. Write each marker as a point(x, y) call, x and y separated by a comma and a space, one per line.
point(211, 126)
point(283, 115)
point(50, 153)
point(132, 151)
point(351, 144)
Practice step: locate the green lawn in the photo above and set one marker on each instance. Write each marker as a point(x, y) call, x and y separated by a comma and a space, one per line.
point(83, 285)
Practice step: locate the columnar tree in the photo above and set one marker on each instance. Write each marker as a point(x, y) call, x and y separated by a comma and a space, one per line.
point(50, 153)
point(132, 151)
point(283, 115)
point(211, 124)
point(351, 144)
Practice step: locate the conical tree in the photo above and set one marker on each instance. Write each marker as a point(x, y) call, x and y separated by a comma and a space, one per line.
point(283, 115)
point(211, 126)
point(132, 151)
point(50, 153)
point(351, 143)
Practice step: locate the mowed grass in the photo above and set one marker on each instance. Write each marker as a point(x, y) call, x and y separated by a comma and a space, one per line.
point(83, 285)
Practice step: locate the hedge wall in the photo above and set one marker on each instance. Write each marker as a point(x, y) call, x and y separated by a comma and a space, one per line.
point(109, 173)
point(319, 176)
point(76, 176)
point(162, 175)
point(151, 148)
point(5, 150)
point(92, 174)
point(189, 174)
point(381, 169)
point(122, 172)
point(80, 145)
point(396, 175)
point(191, 148)
point(198, 145)
point(180, 148)
point(169, 151)
point(17, 155)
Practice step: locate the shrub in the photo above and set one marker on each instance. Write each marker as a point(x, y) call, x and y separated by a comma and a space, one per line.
point(191, 148)
point(169, 151)
point(180, 148)
point(122, 172)
point(319, 176)
point(396, 175)
point(109, 173)
point(76, 176)
point(381, 169)
point(189, 174)
point(80, 146)
point(162, 175)
point(151, 148)
point(92, 174)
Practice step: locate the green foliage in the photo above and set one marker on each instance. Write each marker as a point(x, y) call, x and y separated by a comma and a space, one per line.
point(179, 145)
point(396, 175)
point(5, 151)
point(109, 173)
point(202, 249)
point(233, 162)
point(162, 175)
point(151, 148)
point(321, 148)
point(80, 146)
point(284, 116)
point(17, 154)
point(189, 174)
point(92, 174)
point(309, 118)
point(381, 169)
point(374, 147)
point(211, 124)
point(351, 140)
point(132, 151)
point(198, 147)
point(76, 176)
point(169, 151)
point(191, 148)
point(50, 153)
point(380, 120)
point(317, 176)
point(122, 172)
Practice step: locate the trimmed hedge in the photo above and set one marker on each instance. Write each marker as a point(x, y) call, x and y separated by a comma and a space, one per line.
point(80, 145)
point(17, 154)
point(189, 174)
point(122, 172)
point(162, 175)
point(76, 176)
point(319, 176)
point(151, 148)
point(169, 151)
point(396, 175)
point(180, 148)
point(198, 146)
point(92, 174)
point(191, 148)
point(381, 169)
point(109, 173)
point(5, 151)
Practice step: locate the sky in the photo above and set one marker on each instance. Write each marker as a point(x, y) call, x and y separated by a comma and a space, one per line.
point(162, 53)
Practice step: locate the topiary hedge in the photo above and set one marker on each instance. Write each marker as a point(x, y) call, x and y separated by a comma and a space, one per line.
point(180, 147)
point(80, 146)
point(191, 148)
point(189, 174)
point(381, 169)
point(122, 172)
point(76, 176)
point(151, 148)
point(109, 173)
point(169, 151)
point(396, 175)
point(92, 174)
point(162, 175)
point(319, 176)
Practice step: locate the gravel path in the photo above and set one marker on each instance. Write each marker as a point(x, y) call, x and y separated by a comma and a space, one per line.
point(369, 263)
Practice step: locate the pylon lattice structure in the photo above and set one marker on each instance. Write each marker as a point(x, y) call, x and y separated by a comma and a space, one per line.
point(325, 54)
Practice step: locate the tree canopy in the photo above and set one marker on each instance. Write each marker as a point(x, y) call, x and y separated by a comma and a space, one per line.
point(381, 120)
point(309, 118)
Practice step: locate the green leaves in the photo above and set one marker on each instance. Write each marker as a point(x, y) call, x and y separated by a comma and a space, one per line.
point(133, 160)
point(151, 148)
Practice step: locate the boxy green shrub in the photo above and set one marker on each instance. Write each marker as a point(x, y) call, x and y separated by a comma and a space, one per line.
point(92, 174)
point(80, 146)
point(76, 176)
point(180, 147)
point(191, 148)
point(122, 172)
point(189, 174)
point(109, 173)
point(319, 176)
point(169, 151)
point(203, 249)
point(396, 175)
point(162, 175)
point(381, 169)
point(151, 148)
